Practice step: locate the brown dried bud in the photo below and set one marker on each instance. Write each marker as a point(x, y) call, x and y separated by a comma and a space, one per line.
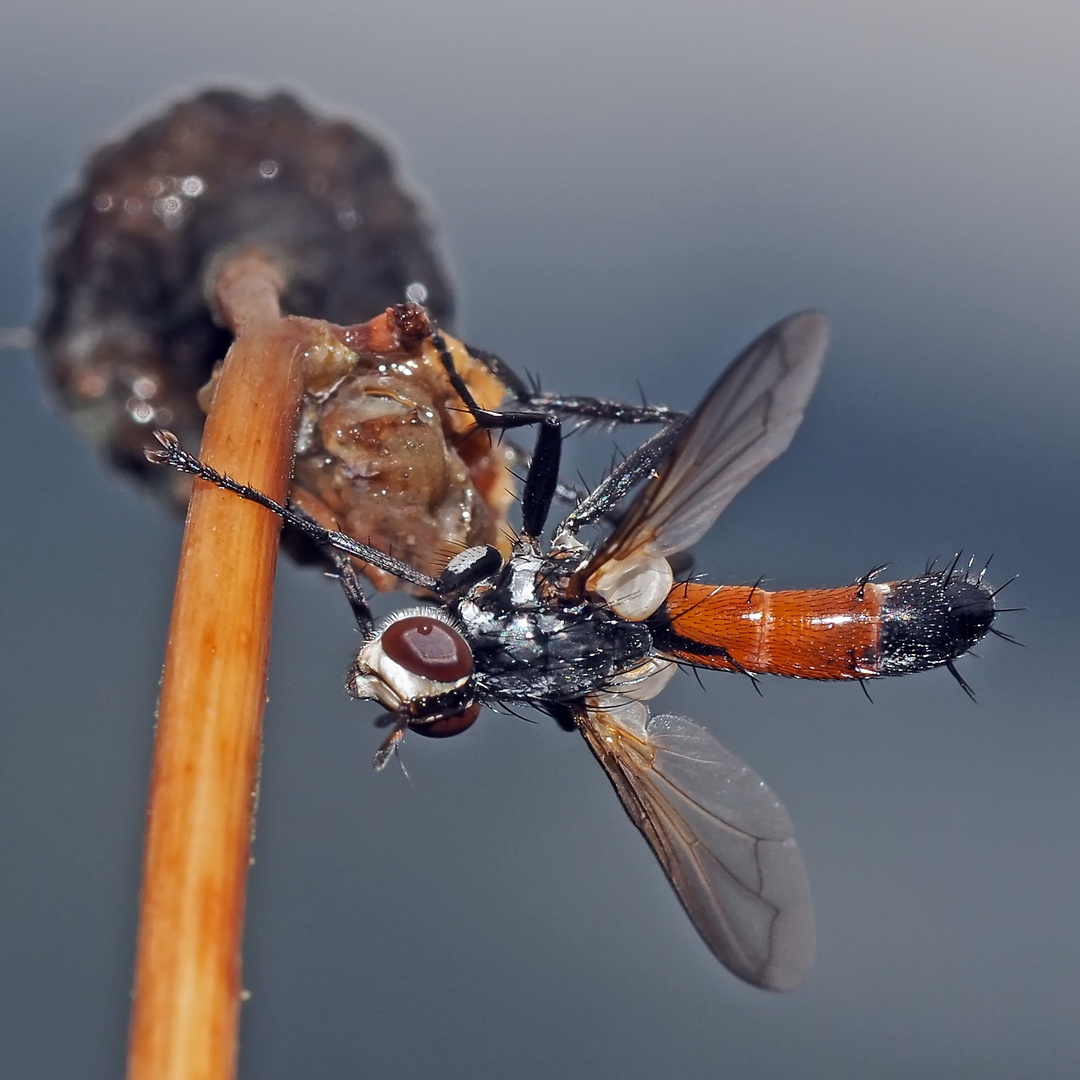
point(127, 334)
point(385, 450)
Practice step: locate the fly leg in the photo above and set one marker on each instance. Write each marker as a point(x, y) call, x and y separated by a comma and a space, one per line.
point(543, 476)
point(601, 503)
point(172, 454)
point(586, 408)
point(539, 408)
point(344, 570)
point(634, 468)
point(354, 591)
point(542, 480)
point(571, 494)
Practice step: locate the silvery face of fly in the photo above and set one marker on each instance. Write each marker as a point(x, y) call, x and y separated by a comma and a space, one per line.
point(588, 634)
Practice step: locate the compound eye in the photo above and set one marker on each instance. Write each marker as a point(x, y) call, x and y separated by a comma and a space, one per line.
point(448, 725)
point(429, 648)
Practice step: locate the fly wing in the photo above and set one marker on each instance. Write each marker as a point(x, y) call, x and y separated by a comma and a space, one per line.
point(722, 837)
point(747, 420)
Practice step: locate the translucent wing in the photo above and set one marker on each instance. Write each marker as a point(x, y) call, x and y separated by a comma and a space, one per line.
point(747, 420)
point(722, 837)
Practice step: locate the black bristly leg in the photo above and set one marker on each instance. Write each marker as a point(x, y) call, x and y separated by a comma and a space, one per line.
point(543, 475)
point(601, 502)
point(613, 412)
point(174, 455)
point(539, 407)
point(584, 408)
point(542, 479)
point(623, 478)
point(354, 591)
point(502, 371)
point(344, 570)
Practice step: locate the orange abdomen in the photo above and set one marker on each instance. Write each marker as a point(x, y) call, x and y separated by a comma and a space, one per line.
point(855, 632)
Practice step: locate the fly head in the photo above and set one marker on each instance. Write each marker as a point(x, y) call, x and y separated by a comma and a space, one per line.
point(419, 667)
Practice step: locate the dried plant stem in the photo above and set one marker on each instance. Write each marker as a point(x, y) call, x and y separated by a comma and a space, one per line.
point(186, 1008)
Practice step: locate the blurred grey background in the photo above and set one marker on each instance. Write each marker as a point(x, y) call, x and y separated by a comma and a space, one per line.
point(627, 192)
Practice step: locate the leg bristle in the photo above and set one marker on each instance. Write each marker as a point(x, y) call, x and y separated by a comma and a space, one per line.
point(952, 568)
point(960, 679)
point(1003, 586)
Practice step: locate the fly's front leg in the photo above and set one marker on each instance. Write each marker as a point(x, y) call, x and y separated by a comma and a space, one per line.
point(612, 412)
point(602, 502)
point(344, 570)
point(171, 453)
point(543, 476)
point(542, 484)
point(584, 408)
point(354, 592)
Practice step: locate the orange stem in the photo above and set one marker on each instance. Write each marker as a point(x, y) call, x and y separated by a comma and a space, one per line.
point(185, 1016)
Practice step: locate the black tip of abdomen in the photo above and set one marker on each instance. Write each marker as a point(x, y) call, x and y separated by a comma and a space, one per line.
point(930, 620)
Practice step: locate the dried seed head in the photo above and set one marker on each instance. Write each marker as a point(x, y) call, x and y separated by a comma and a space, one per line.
point(127, 334)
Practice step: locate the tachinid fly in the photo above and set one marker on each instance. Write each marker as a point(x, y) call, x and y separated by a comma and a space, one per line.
point(588, 633)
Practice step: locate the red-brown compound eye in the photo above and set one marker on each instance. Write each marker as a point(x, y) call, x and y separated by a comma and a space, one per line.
point(429, 648)
point(448, 725)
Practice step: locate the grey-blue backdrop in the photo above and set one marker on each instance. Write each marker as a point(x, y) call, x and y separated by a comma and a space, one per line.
point(628, 192)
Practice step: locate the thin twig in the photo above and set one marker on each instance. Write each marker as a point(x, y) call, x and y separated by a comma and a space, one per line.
point(185, 1016)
